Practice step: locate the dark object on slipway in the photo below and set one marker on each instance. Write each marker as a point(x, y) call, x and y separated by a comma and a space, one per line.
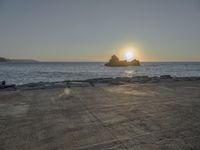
point(3, 83)
point(115, 62)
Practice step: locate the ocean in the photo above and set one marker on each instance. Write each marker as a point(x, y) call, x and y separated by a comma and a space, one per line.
point(22, 73)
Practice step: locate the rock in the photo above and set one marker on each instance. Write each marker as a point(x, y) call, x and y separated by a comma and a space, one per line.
point(140, 79)
point(115, 62)
point(92, 84)
point(165, 77)
point(176, 79)
point(123, 79)
point(155, 79)
point(180, 79)
point(80, 84)
point(104, 80)
point(68, 84)
point(3, 83)
point(115, 82)
point(194, 78)
point(12, 86)
point(188, 78)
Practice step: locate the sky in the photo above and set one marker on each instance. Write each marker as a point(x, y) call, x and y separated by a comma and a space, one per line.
point(93, 30)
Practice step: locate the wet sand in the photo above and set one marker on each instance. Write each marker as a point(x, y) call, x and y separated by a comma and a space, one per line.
point(149, 116)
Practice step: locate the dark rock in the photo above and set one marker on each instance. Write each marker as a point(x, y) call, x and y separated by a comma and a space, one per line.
point(176, 79)
point(154, 79)
point(80, 84)
point(92, 84)
point(186, 78)
point(68, 84)
point(165, 77)
point(194, 78)
point(123, 79)
point(3, 83)
point(12, 86)
point(115, 62)
point(140, 79)
point(114, 82)
point(101, 80)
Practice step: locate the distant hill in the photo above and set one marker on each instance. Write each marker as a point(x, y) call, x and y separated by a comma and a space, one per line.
point(2, 59)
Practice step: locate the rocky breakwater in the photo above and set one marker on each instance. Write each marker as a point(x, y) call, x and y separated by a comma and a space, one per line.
point(141, 79)
point(97, 82)
point(115, 62)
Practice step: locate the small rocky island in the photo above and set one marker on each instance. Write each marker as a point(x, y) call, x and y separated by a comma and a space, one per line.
point(115, 62)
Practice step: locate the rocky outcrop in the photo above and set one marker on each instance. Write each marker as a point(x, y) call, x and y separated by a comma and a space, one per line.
point(115, 62)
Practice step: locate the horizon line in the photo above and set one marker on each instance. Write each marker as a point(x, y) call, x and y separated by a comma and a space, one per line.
point(107, 61)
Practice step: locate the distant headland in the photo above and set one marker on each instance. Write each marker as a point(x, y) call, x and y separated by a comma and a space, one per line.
point(115, 62)
point(3, 59)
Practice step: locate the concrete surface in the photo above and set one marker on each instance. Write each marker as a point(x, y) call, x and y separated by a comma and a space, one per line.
point(132, 116)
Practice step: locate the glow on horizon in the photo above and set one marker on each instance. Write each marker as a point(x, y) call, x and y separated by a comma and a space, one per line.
point(130, 53)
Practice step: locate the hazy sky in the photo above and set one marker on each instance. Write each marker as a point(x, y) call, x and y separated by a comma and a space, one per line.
point(92, 30)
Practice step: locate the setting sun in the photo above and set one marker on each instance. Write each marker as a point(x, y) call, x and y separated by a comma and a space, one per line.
point(129, 55)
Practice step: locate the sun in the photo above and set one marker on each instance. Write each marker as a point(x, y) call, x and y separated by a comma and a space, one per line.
point(129, 55)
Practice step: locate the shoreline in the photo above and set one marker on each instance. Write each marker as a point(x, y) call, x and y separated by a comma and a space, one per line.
point(96, 81)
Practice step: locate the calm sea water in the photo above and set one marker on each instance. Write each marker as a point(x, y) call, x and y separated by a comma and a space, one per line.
point(20, 73)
